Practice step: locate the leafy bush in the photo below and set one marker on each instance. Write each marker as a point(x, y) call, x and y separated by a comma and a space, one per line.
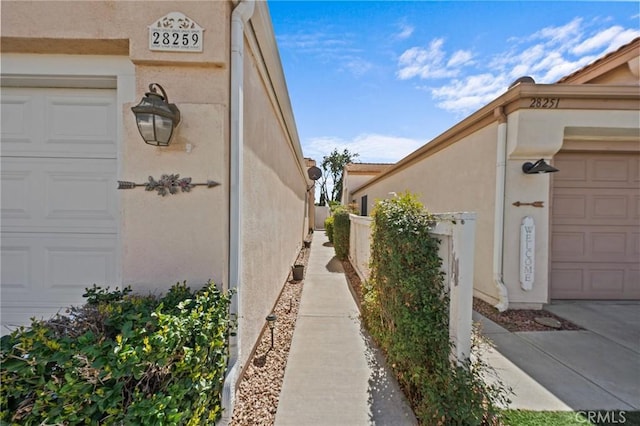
point(341, 226)
point(120, 359)
point(328, 228)
point(406, 309)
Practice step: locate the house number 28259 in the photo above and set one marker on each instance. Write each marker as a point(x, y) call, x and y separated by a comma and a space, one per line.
point(547, 103)
point(175, 40)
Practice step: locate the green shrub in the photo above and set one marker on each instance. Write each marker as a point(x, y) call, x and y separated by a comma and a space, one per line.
point(341, 226)
point(120, 359)
point(328, 228)
point(406, 309)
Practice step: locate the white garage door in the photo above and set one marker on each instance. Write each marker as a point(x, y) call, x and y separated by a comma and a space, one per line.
point(59, 209)
point(595, 241)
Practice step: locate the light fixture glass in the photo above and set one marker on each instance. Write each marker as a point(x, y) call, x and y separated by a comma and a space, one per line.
point(156, 117)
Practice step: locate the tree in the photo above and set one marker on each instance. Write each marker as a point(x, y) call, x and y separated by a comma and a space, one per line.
point(333, 167)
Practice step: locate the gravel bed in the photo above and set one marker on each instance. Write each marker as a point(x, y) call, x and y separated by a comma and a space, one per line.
point(258, 393)
point(520, 319)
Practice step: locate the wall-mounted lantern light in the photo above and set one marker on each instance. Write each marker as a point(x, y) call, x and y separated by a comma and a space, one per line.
point(538, 167)
point(156, 117)
point(271, 320)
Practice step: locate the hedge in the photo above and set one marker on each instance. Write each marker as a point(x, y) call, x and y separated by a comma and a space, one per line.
point(406, 310)
point(341, 227)
point(328, 228)
point(120, 359)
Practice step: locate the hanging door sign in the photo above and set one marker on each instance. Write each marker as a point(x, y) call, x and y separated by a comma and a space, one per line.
point(175, 32)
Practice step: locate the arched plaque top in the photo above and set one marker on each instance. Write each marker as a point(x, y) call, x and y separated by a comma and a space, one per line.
point(175, 21)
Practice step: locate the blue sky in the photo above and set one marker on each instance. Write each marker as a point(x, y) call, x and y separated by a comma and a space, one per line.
point(382, 78)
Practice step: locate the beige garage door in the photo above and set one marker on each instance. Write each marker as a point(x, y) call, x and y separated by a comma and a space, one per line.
point(595, 241)
point(58, 190)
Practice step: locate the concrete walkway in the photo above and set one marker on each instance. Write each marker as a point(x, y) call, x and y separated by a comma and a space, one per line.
point(334, 375)
point(593, 369)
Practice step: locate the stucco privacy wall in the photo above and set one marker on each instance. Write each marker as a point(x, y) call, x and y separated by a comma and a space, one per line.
point(274, 186)
point(434, 178)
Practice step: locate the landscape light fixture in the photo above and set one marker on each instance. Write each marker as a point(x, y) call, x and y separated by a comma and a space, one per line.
point(538, 167)
point(271, 320)
point(156, 117)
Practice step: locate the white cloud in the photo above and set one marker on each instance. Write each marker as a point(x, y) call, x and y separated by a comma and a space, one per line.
point(430, 62)
point(405, 31)
point(327, 47)
point(358, 66)
point(371, 148)
point(561, 34)
point(598, 41)
point(461, 57)
point(546, 55)
point(469, 94)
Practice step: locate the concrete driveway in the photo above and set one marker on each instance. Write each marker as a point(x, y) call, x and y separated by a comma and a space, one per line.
point(597, 368)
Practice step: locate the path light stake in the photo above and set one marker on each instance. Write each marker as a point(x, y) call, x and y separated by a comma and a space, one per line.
point(271, 320)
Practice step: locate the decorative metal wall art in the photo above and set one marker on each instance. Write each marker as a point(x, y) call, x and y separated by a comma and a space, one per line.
point(167, 184)
point(534, 204)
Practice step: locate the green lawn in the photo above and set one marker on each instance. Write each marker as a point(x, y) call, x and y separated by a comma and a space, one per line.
point(570, 418)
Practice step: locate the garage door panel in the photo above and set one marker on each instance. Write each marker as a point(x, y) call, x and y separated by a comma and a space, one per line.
point(574, 170)
point(569, 207)
point(16, 194)
point(16, 261)
point(80, 120)
point(59, 212)
point(55, 266)
point(611, 206)
point(569, 245)
point(74, 266)
point(17, 113)
point(595, 243)
point(68, 124)
point(609, 171)
point(80, 196)
point(572, 280)
point(593, 281)
point(59, 195)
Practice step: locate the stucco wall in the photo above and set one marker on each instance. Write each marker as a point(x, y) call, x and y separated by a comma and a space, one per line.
point(354, 181)
point(274, 204)
point(458, 178)
point(102, 27)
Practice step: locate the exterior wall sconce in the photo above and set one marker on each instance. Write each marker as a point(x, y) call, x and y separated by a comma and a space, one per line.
point(156, 117)
point(271, 320)
point(538, 167)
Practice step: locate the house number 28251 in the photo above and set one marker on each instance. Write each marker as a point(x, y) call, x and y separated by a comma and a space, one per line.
point(546, 103)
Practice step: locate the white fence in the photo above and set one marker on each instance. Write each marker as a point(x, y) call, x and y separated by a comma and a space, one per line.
point(456, 231)
point(321, 213)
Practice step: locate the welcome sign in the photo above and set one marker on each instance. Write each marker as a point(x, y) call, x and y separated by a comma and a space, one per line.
point(527, 252)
